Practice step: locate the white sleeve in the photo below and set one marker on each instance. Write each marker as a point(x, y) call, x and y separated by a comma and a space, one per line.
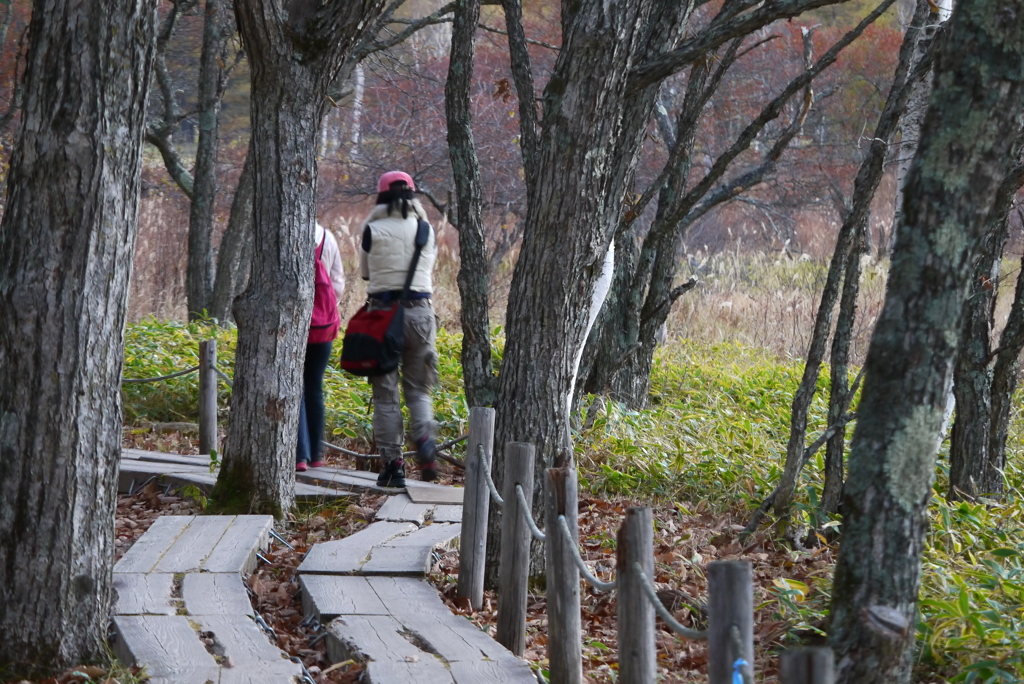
point(332, 260)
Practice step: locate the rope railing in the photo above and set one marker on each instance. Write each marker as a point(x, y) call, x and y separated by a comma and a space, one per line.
point(193, 369)
point(652, 595)
point(487, 476)
point(591, 579)
point(528, 516)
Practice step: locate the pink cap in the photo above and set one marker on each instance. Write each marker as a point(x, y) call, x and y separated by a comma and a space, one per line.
point(384, 184)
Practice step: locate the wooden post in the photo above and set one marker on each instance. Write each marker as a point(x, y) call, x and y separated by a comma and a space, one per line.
point(637, 658)
point(730, 604)
point(514, 572)
point(473, 542)
point(207, 396)
point(565, 639)
point(807, 666)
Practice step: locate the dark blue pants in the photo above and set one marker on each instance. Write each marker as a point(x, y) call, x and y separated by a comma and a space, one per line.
point(311, 408)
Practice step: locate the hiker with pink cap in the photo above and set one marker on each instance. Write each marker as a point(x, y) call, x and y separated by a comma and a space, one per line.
point(397, 260)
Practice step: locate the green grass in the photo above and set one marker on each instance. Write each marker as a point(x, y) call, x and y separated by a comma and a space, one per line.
point(714, 435)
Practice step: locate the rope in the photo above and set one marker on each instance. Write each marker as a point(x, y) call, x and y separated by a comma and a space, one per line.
point(741, 673)
point(662, 611)
point(223, 376)
point(584, 570)
point(487, 476)
point(193, 369)
point(534, 530)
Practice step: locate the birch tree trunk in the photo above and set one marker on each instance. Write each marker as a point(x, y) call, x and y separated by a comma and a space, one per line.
point(295, 49)
point(66, 244)
point(966, 141)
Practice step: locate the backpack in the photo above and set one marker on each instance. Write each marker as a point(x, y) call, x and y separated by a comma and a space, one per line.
point(325, 321)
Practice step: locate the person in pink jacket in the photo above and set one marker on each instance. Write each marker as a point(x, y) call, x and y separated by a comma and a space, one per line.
point(329, 283)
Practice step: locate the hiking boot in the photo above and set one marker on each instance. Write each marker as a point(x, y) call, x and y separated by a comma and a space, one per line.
point(426, 457)
point(300, 467)
point(393, 474)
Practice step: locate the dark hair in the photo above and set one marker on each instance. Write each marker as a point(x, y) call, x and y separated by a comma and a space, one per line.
point(397, 196)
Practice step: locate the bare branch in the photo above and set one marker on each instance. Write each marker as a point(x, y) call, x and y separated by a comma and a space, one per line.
point(730, 23)
point(366, 48)
point(531, 41)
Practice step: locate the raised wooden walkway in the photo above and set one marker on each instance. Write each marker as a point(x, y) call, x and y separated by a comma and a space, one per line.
point(182, 609)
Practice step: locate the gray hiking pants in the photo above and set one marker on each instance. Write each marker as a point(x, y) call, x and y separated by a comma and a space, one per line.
point(419, 376)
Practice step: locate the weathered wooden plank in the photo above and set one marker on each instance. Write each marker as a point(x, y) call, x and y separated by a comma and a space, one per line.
point(327, 597)
point(244, 642)
point(407, 673)
point(447, 513)
point(400, 508)
point(443, 535)
point(194, 544)
point(133, 474)
point(491, 672)
point(264, 674)
point(399, 561)
point(143, 594)
point(419, 607)
point(346, 556)
point(173, 459)
point(221, 593)
point(147, 551)
point(371, 637)
point(236, 550)
point(346, 479)
point(307, 493)
point(166, 645)
point(423, 492)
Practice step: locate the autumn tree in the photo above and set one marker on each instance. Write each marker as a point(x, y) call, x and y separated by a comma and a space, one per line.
point(66, 244)
point(295, 49)
point(968, 140)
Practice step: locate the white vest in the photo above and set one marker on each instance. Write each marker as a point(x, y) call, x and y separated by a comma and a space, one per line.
point(392, 244)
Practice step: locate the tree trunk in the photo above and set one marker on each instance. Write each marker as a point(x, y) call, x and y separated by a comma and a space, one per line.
point(974, 469)
point(1004, 377)
point(576, 176)
point(294, 53)
point(966, 141)
point(854, 224)
point(199, 273)
point(478, 378)
point(66, 244)
point(234, 258)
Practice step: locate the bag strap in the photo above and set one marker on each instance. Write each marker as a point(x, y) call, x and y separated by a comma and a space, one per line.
point(422, 235)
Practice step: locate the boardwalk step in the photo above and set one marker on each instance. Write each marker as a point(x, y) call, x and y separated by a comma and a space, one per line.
point(213, 543)
point(400, 508)
point(383, 548)
point(325, 597)
point(170, 649)
point(418, 639)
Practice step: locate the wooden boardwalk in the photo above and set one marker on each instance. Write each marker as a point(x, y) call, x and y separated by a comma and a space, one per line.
point(183, 612)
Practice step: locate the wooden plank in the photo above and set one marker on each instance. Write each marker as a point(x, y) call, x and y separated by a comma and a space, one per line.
point(245, 643)
point(263, 674)
point(174, 459)
point(144, 594)
point(166, 645)
point(447, 513)
point(307, 493)
point(400, 508)
point(407, 673)
point(147, 551)
point(398, 561)
point(492, 672)
point(221, 593)
point(327, 597)
point(195, 544)
point(330, 477)
point(419, 607)
point(371, 637)
point(423, 492)
point(236, 550)
point(443, 535)
point(346, 556)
